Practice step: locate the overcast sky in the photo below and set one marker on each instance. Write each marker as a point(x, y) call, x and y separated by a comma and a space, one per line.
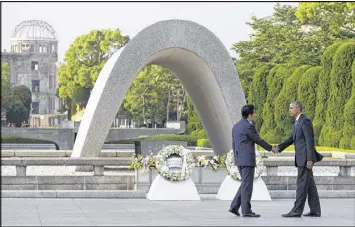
point(70, 20)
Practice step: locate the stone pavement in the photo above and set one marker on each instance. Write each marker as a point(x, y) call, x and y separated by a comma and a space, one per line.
point(136, 212)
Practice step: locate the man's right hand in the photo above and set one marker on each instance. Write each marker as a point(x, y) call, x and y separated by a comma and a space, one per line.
point(275, 149)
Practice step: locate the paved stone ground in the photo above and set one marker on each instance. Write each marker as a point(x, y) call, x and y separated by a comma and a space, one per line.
point(136, 212)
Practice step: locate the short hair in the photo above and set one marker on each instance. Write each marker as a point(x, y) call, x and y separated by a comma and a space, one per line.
point(247, 110)
point(298, 104)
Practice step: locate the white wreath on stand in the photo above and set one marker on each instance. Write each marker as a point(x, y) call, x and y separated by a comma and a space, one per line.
point(188, 163)
point(233, 171)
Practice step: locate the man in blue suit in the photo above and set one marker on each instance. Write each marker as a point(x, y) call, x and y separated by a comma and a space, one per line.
point(244, 138)
point(302, 136)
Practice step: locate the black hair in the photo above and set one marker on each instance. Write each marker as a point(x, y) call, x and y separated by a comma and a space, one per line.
point(247, 110)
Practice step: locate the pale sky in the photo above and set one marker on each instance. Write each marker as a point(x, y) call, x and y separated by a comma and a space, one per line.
point(70, 20)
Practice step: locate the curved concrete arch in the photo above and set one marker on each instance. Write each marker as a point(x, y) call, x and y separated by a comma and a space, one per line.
point(195, 55)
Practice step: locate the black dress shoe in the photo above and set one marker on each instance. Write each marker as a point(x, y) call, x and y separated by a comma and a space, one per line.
point(234, 211)
point(310, 214)
point(291, 215)
point(252, 215)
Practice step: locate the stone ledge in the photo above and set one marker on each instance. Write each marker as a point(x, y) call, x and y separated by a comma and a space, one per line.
point(62, 161)
point(122, 194)
point(275, 162)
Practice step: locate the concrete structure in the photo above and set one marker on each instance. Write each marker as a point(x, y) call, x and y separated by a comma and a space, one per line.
point(32, 60)
point(195, 55)
point(64, 138)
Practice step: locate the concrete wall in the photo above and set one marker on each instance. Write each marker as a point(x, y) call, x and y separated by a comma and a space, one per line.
point(64, 138)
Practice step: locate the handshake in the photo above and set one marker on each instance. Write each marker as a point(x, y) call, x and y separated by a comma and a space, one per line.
point(275, 149)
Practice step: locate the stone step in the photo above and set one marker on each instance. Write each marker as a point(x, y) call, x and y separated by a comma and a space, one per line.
point(128, 194)
point(121, 194)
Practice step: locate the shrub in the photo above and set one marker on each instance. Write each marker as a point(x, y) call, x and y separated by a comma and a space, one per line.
point(203, 143)
point(288, 93)
point(340, 92)
point(191, 140)
point(307, 89)
point(275, 81)
point(258, 92)
point(323, 91)
point(202, 134)
point(348, 139)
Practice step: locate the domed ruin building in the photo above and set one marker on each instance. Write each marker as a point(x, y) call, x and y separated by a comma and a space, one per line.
point(32, 59)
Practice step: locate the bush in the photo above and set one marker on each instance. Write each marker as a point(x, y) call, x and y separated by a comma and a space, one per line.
point(203, 143)
point(307, 89)
point(258, 92)
point(275, 81)
point(340, 92)
point(288, 93)
point(348, 139)
point(191, 140)
point(323, 91)
point(202, 134)
point(9, 139)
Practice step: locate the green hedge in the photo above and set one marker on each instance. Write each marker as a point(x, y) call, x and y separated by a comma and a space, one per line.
point(258, 92)
point(191, 140)
point(275, 81)
point(340, 92)
point(204, 143)
point(288, 93)
point(348, 139)
point(307, 90)
point(323, 91)
point(9, 139)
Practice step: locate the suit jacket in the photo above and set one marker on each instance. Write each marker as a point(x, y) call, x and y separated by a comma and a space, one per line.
point(244, 138)
point(302, 136)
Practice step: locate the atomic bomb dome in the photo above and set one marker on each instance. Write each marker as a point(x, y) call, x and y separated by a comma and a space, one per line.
point(33, 29)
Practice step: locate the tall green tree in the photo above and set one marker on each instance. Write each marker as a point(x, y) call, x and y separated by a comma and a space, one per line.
point(279, 39)
point(335, 18)
point(148, 97)
point(323, 91)
point(340, 92)
point(288, 93)
point(83, 62)
point(23, 94)
point(5, 87)
point(348, 139)
point(258, 93)
point(194, 125)
point(307, 90)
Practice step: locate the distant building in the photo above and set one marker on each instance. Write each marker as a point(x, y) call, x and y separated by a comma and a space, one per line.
point(32, 60)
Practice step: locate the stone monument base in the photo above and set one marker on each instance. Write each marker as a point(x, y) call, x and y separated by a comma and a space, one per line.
point(229, 188)
point(162, 189)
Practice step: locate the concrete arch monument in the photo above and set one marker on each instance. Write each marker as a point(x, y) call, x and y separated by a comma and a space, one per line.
point(195, 55)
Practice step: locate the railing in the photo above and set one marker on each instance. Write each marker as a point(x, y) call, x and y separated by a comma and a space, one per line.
point(21, 163)
point(345, 165)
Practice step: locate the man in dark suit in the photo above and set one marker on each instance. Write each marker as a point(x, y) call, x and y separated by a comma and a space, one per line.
point(244, 138)
point(305, 156)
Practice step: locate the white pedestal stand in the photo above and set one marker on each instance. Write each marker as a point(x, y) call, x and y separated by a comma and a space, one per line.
point(229, 188)
point(162, 189)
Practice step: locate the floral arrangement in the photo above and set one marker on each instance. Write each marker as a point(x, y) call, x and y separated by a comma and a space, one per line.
point(164, 170)
point(143, 164)
point(233, 170)
point(216, 162)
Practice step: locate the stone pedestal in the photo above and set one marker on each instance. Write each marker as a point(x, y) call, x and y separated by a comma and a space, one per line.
point(229, 188)
point(162, 189)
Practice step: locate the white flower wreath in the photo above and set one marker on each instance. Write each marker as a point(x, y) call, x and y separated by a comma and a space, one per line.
point(233, 170)
point(163, 169)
